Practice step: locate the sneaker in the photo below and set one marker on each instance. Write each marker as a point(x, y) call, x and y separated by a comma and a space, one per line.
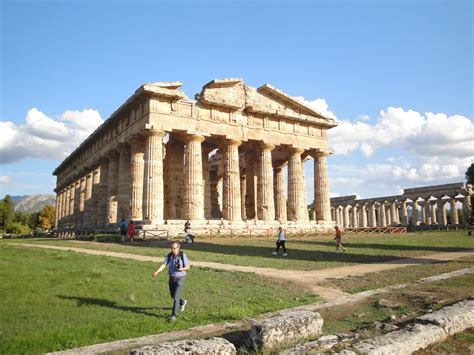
point(274, 253)
point(172, 318)
point(183, 306)
point(285, 254)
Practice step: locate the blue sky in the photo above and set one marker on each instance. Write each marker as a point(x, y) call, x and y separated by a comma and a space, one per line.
point(398, 76)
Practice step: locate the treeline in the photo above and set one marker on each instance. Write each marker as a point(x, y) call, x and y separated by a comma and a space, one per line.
point(12, 222)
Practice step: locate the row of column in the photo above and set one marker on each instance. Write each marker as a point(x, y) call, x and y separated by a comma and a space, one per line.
point(396, 213)
point(129, 183)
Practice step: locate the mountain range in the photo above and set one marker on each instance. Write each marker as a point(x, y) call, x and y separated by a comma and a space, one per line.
point(32, 203)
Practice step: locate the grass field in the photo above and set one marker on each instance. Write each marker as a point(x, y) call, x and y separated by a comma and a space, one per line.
point(54, 300)
point(304, 253)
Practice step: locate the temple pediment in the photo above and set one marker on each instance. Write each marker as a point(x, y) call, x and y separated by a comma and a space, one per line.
point(266, 100)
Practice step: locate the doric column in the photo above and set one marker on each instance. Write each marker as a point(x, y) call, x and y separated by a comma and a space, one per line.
point(354, 217)
point(193, 182)
point(322, 201)
point(137, 173)
point(388, 214)
point(434, 219)
point(72, 194)
point(243, 188)
point(279, 188)
point(265, 198)
point(94, 204)
point(82, 198)
point(153, 198)
point(427, 213)
point(372, 214)
point(404, 213)
point(231, 180)
point(216, 211)
point(112, 187)
point(442, 221)
point(415, 215)
point(383, 217)
point(393, 212)
point(124, 186)
point(59, 203)
point(296, 189)
point(206, 181)
point(346, 219)
point(337, 216)
point(454, 212)
point(63, 206)
point(363, 216)
point(102, 200)
point(77, 203)
point(67, 197)
point(174, 166)
point(87, 222)
point(341, 216)
point(250, 197)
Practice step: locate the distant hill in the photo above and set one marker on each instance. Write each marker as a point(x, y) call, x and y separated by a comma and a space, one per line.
point(32, 203)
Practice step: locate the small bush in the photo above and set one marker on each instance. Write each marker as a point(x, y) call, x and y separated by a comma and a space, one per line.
point(18, 228)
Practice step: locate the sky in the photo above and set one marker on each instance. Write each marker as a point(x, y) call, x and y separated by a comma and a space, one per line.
point(397, 76)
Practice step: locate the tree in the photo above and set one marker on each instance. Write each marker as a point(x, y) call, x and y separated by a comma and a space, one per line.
point(470, 174)
point(47, 217)
point(8, 212)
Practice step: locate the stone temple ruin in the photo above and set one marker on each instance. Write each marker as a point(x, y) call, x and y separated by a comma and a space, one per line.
point(421, 205)
point(162, 158)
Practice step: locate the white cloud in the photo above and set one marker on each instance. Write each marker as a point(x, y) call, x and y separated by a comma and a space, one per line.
point(319, 105)
point(425, 135)
point(44, 137)
point(4, 179)
point(363, 117)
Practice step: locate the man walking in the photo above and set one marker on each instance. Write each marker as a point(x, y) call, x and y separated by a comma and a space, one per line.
point(178, 264)
point(280, 242)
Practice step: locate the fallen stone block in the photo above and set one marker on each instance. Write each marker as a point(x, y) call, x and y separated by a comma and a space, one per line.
point(286, 329)
point(324, 343)
point(214, 346)
point(401, 342)
point(453, 319)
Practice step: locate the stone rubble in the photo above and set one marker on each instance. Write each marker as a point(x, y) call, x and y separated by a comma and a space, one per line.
point(214, 346)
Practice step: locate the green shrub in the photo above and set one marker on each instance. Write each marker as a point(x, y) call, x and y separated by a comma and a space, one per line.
point(18, 228)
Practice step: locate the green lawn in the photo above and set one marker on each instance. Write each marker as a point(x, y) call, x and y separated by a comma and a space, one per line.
point(304, 253)
point(53, 300)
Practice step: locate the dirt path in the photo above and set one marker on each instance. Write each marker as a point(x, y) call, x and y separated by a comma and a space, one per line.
point(310, 280)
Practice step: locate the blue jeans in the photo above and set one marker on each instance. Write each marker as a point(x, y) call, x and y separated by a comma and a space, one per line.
point(175, 286)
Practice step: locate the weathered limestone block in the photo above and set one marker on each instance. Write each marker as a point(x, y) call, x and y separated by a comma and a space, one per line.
point(285, 329)
point(324, 343)
point(405, 341)
point(452, 319)
point(204, 346)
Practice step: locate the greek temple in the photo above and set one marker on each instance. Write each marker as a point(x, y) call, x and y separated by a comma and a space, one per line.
point(234, 155)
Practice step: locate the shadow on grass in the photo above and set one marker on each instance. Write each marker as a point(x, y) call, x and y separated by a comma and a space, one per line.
point(350, 244)
point(86, 301)
point(293, 254)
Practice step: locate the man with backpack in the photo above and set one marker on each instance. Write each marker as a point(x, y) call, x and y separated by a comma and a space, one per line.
point(177, 263)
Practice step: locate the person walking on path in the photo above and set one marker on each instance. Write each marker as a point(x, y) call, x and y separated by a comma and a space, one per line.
point(338, 239)
point(280, 242)
point(188, 237)
point(123, 226)
point(131, 230)
point(178, 263)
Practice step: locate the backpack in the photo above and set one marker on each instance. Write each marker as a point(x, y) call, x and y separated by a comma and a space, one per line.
point(181, 254)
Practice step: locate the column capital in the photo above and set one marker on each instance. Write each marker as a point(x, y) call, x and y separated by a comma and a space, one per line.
point(193, 137)
point(154, 132)
point(265, 146)
point(112, 154)
point(231, 142)
point(296, 150)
